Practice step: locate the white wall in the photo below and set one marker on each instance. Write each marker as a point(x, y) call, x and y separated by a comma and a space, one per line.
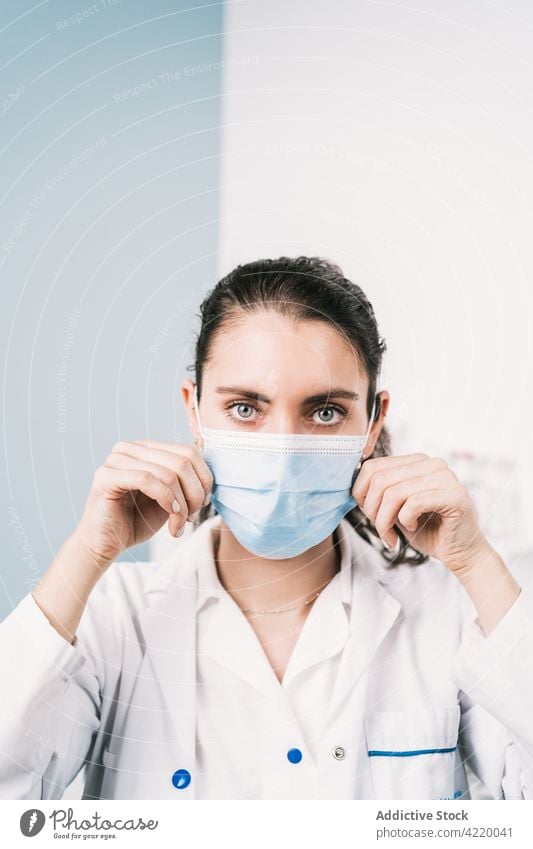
point(396, 142)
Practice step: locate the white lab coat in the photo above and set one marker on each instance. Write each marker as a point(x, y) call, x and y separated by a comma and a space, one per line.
point(419, 671)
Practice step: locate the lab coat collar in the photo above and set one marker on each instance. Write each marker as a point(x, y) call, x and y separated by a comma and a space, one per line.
point(209, 586)
point(374, 611)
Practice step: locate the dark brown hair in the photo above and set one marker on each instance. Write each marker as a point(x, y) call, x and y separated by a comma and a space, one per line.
point(301, 288)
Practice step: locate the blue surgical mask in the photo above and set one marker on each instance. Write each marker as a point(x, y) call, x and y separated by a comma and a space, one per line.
point(281, 493)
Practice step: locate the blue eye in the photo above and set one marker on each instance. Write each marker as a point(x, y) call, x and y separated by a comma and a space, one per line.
point(243, 406)
point(246, 410)
point(330, 410)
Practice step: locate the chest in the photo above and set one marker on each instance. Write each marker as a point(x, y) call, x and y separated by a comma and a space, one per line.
point(367, 723)
point(278, 634)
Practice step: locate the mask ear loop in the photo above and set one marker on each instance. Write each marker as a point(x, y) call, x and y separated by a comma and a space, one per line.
point(372, 415)
point(369, 428)
point(371, 420)
point(196, 410)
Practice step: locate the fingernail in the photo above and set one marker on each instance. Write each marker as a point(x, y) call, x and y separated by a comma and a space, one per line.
point(180, 532)
point(194, 516)
point(176, 507)
point(206, 500)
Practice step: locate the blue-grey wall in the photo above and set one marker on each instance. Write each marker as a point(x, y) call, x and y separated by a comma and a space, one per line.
point(109, 141)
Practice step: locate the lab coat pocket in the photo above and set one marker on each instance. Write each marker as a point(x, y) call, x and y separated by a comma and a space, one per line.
point(412, 753)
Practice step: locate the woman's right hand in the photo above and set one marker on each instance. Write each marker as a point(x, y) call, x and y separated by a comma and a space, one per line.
point(140, 485)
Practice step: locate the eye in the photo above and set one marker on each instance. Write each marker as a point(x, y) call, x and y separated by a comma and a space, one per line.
point(329, 413)
point(245, 411)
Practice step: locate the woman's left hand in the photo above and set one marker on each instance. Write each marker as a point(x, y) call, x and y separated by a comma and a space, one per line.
point(427, 502)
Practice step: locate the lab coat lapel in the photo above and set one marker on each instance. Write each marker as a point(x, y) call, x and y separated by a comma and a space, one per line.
point(168, 627)
point(373, 613)
point(229, 639)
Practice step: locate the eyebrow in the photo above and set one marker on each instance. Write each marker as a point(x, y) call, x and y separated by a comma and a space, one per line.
point(336, 392)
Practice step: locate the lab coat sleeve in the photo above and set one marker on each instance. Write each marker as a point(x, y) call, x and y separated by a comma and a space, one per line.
point(495, 675)
point(50, 705)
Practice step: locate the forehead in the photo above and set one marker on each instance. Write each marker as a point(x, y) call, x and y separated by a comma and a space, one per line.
point(268, 350)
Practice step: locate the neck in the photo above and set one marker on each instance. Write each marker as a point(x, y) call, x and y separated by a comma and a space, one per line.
point(258, 583)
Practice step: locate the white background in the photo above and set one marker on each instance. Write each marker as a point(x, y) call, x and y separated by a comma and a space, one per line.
point(396, 141)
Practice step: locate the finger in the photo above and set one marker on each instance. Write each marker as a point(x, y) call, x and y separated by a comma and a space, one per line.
point(369, 498)
point(429, 501)
point(117, 460)
point(183, 463)
point(375, 465)
point(176, 524)
point(119, 481)
point(432, 501)
point(178, 449)
point(392, 502)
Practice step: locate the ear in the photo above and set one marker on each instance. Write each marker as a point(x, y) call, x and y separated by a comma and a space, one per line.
point(187, 393)
point(375, 430)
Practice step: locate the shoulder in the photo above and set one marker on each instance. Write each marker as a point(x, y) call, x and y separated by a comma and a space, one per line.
point(434, 583)
point(425, 587)
point(432, 574)
point(424, 590)
point(111, 626)
point(131, 585)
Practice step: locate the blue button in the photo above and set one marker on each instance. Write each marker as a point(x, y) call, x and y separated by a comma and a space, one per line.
point(294, 755)
point(181, 779)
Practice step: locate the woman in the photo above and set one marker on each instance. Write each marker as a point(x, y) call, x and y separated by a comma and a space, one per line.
point(337, 625)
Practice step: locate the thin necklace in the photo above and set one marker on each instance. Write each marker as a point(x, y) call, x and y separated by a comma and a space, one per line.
point(277, 609)
point(282, 609)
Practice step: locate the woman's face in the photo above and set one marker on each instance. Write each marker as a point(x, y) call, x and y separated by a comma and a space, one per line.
point(270, 375)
